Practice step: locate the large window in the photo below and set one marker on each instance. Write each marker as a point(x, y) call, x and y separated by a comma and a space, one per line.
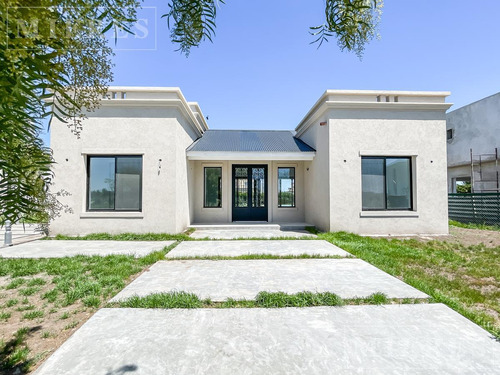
point(114, 183)
point(213, 187)
point(286, 187)
point(386, 183)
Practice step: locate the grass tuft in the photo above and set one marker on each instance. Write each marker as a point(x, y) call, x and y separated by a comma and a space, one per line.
point(33, 314)
point(474, 226)
point(302, 299)
point(171, 300)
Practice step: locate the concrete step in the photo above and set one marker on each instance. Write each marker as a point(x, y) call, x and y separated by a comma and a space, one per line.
point(257, 226)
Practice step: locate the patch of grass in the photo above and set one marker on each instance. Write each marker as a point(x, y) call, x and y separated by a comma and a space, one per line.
point(26, 308)
point(127, 237)
point(261, 256)
point(65, 315)
point(172, 300)
point(11, 302)
point(36, 282)
point(33, 314)
point(466, 278)
point(302, 299)
point(46, 334)
point(92, 301)
point(312, 229)
point(51, 295)
point(376, 299)
point(71, 325)
point(89, 279)
point(29, 291)
point(15, 283)
point(5, 315)
point(14, 353)
point(474, 226)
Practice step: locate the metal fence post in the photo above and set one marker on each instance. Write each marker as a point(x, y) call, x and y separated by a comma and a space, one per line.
point(8, 234)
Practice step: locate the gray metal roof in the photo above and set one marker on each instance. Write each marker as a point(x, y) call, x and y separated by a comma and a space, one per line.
point(250, 141)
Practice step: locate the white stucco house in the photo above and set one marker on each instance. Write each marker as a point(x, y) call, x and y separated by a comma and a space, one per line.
point(369, 162)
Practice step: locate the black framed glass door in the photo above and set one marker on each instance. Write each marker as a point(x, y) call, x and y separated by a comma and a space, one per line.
point(250, 192)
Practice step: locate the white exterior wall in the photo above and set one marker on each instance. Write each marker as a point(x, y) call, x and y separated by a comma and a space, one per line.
point(343, 126)
point(155, 132)
point(223, 214)
point(419, 135)
point(317, 177)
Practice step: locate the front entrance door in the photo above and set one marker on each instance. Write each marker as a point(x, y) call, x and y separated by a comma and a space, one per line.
point(249, 192)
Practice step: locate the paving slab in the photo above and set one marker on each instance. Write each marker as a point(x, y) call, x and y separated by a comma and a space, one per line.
point(244, 279)
point(255, 247)
point(228, 234)
point(67, 248)
point(393, 339)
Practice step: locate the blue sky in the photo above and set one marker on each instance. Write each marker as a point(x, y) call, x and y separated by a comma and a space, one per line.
point(261, 72)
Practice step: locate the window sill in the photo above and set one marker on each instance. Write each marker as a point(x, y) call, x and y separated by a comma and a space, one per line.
point(112, 215)
point(388, 214)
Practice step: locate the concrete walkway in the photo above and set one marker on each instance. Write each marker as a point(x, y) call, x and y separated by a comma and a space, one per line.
point(59, 249)
point(244, 279)
point(395, 339)
point(255, 247)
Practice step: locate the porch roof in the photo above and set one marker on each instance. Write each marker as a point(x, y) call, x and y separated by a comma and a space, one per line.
point(249, 145)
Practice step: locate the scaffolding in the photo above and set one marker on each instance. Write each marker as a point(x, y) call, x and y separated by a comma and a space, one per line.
point(485, 172)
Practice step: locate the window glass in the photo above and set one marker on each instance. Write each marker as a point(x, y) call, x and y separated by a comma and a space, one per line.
point(398, 182)
point(373, 182)
point(241, 187)
point(213, 187)
point(114, 183)
point(128, 183)
point(286, 187)
point(102, 183)
point(258, 187)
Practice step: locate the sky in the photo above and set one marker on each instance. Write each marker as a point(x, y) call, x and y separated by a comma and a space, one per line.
point(261, 72)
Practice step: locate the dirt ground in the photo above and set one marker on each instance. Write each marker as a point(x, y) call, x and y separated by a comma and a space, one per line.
point(45, 333)
point(466, 237)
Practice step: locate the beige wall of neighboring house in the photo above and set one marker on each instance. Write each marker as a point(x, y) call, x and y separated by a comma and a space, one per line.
point(340, 130)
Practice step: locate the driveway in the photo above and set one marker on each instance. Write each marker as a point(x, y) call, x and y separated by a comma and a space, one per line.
point(390, 339)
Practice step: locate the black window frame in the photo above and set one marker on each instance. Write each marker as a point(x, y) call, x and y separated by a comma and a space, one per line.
point(294, 193)
point(409, 158)
point(205, 187)
point(88, 182)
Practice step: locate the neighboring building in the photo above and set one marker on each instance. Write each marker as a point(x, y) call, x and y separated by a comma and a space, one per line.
point(473, 134)
point(369, 162)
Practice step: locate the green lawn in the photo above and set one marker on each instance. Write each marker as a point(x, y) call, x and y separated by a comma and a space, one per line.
point(43, 300)
point(465, 278)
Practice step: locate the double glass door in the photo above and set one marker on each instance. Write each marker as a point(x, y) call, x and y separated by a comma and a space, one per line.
point(250, 192)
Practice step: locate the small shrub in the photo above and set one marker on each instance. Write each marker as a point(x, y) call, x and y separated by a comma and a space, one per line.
point(5, 315)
